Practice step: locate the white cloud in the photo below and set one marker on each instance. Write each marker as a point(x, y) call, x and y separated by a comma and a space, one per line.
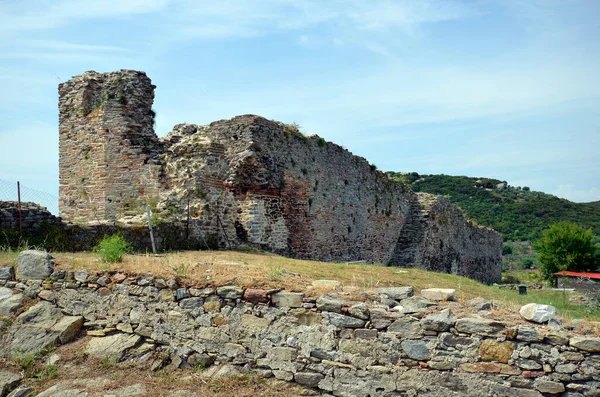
point(571, 192)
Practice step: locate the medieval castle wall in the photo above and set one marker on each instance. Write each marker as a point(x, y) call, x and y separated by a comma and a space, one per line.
point(250, 180)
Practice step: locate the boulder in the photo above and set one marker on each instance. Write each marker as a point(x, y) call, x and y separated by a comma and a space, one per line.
point(113, 347)
point(9, 302)
point(40, 327)
point(34, 265)
point(396, 293)
point(439, 294)
point(8, 381)
point(537, 313)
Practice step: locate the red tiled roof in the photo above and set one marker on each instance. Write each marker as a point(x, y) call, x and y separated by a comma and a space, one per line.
point(579, 274)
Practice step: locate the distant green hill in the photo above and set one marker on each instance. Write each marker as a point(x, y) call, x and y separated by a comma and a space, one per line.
point(516, 212)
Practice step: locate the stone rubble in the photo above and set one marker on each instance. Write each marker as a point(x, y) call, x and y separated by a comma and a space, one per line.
point(338, 347)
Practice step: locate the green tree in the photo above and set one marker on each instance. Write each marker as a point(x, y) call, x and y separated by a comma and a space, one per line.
point(565, 246)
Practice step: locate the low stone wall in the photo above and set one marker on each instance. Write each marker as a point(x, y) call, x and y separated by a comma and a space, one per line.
point(382, 342)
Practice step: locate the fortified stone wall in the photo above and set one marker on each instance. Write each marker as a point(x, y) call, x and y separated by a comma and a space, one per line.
point(407, 346)
point(108, 151)
point(249, 180)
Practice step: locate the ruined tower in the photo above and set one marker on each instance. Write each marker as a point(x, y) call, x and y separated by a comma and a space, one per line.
point(108, 151)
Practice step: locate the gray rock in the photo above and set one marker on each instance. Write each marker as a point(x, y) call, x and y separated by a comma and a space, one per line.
point(416, 349)
point(9, 302)
point(8, 381)
point(309, 379)
point(439, 294)
point(114, 346)
point(182, 293)
point(528, 334)
point(40, 327)
point(546, 386)
point(58, 274)
point(586, 343)
point(406, 327)
point(21, 392)
point(538, 313)
point(61, 390)
point(479, 326)
point(191, 303)
point(341, 321)
point(7, 272)
point(414, 304)
point(380, 318)
point(396, 293)
point(34, 265)
point(359, 310)
point(440, 322)
point(81, 276)
point(327, 304)
point(138, 389)
point(230, 292)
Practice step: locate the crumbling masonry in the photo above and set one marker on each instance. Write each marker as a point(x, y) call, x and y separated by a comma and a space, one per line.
point(250, 180)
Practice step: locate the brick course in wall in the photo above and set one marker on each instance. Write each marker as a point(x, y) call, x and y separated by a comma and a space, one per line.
point(250, 180)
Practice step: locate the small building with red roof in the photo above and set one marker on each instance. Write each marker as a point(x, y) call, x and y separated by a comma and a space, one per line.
point(581, 281)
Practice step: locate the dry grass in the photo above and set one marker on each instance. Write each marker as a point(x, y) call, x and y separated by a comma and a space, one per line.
point(267, 270)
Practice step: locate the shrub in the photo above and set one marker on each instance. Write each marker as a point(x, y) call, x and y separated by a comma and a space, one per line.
point(112, 248)
point(506, 250)
point(566, 246)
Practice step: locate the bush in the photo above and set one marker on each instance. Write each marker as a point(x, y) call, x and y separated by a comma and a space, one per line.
point(506, 250)
point(566, 246)
point(112, 248)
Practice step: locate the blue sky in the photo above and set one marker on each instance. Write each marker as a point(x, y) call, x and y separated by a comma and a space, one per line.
point(506, 89)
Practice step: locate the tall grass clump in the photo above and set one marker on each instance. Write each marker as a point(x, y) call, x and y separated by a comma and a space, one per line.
point(112, 248)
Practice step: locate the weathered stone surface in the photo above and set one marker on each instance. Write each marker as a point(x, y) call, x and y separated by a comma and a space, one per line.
point(359, 310)
point(528, 334)
point(396, 293)
point(230, 292)
point(212, 304)
point(114, 346)
point(21, 392)
point(8, 381)
point(81, 276)
point(492, 350)
point(7, 272)
point(256, 295)
point(555, 338)
point(341, 321)
point(586, 343)
point(439, 294)
point(34, 265)
point(488, 367)
point(328, 304)
point(440, 322)
point(380, 318)
point(537, 313)
point(479, 326)
point(546, 386)
point(62, 390)
point(287, 299)
point(9, 302)
point(41, 326)
point(416, 349)
point(413, 304)
point(309, 379)
point(407, 327)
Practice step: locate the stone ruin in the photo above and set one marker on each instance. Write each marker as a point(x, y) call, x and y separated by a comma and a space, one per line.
point(249, 180)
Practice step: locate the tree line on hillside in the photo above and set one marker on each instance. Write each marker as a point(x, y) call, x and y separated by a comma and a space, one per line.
point(517, 213)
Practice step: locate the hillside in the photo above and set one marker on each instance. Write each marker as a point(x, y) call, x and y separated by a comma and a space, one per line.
point(518, 213)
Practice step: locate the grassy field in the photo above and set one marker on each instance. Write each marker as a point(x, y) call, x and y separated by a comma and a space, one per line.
point(214, 268)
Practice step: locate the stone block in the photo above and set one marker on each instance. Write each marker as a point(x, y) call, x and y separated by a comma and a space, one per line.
point(34, 265)
point(439, 294)
point(287, 299)
point(537, 313)
point(396, 293)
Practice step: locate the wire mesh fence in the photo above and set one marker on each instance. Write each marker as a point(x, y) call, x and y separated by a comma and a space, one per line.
point(9, 191)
